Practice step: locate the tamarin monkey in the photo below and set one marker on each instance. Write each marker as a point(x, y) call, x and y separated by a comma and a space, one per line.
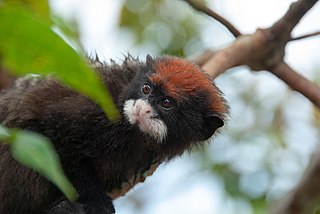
point(168, 105)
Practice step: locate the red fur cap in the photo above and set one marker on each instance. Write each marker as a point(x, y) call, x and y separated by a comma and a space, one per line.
point(180, 79)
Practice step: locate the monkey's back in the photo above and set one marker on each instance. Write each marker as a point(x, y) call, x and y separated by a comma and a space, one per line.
point(22, 190)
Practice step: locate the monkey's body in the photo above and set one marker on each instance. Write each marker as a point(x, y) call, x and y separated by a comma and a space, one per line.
point(97, 155)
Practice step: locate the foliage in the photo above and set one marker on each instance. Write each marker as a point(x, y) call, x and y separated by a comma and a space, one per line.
point(28, 44)
point(35, 151)
point(158, 23)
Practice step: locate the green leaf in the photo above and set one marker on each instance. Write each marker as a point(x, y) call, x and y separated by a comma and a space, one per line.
point(35, 151)
point(70, 31)
point(316, 210)
point(42, 7)
point(28, 45)
point(4, 133)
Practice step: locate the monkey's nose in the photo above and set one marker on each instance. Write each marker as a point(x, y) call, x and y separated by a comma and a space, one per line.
point(142, 108)
point(147, 110)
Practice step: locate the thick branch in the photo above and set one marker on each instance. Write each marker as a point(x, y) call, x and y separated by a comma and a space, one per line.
point(283, 28)
point(264, 50)
point(297, 82)
point(228, 57)
point(202, 8)
point(255, 51)
point(203, 57)
point(306, 196)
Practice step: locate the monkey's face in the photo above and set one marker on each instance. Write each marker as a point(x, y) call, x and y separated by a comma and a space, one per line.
point(141, 113)
point(172, 99)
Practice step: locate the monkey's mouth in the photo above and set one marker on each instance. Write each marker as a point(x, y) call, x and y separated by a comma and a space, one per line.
point(139, 112)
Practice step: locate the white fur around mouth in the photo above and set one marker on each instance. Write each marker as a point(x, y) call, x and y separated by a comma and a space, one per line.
point(141, 113)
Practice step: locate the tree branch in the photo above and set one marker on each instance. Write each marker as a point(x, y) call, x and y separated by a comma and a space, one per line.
point(202, 8)
point(257, 51)
point(264, 50)
point(306, 196)
point(283, 28)
point(140, 178)
point(229, 57)
point(297, 82)
point(305, 36)
point(203, 57)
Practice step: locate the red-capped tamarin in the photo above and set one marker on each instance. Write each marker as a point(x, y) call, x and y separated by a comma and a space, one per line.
point(168, 105)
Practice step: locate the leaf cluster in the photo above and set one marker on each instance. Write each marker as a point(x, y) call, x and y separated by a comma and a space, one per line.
point(29, 45)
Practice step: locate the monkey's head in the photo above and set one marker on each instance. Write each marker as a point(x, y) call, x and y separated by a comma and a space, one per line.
point(172, 100)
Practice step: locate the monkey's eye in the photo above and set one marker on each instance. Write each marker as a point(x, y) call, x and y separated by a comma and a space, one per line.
point(146, 89)
point(166, 103)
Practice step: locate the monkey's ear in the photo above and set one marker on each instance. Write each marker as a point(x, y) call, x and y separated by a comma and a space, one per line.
point(211, 124)
point(149, 60)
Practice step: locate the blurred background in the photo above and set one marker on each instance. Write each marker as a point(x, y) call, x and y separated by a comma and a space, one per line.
point(263, 151)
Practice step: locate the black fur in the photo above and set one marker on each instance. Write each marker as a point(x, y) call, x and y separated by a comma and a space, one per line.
point(97, 155)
